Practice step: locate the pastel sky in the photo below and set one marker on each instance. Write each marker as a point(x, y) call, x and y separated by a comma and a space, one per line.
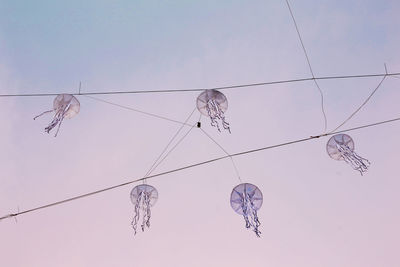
point(317, 212)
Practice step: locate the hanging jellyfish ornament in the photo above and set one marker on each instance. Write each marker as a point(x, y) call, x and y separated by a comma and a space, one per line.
point(143, 197)
point(246, 199)
point(64, 106)
point(341, 147)
point(213, 104)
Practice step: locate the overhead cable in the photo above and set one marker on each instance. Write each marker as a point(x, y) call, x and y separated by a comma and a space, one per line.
point(361, 106)
point(228, 87)
point(192, 166)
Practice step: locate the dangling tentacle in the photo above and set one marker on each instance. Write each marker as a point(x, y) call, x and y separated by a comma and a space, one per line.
point(43, 114)
point(137, 213)
point(143, 197)
point(147, 211)
point(211, 113)
point(255, 223)
point(59, 125)
point(58, 119)
point(52, 124)
point(250, 213)
point(355, 161)
point(215, 113)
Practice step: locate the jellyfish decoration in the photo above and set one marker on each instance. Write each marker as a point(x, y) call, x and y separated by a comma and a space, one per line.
point(213, 104)
point(246, 199)
point(143, 197)
point(341, 147)
point(64, 106)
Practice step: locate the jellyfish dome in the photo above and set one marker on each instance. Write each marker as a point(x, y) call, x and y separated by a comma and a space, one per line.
point(64, 106)
point(341, 147)
point(246, 199)
point(143, 197)
point(214, 104)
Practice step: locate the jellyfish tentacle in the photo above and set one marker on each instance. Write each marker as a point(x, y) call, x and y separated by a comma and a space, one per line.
point(137, 213)
point(56, 119)
point(250, 213)
point(353, 159)
point(246, 199)
point(143, 197)
point(212, 113)
point(59, 125)
point(61, 117)
point(341, 147)
point(52, 124)
point(256, 222)
point(41, 114)
point(147, 211)
point(216, 114)
point(221, 116)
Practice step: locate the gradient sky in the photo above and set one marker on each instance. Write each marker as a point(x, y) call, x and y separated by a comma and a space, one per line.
point(316, 212)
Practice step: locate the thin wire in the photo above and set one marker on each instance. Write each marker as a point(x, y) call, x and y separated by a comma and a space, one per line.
point(362, 105)
point(226, 152)
point(202, 89)
point(169, 143)
point(136, 110)
point(212, 139)
point(194, 165)
point(309, 64)
point(173, 148)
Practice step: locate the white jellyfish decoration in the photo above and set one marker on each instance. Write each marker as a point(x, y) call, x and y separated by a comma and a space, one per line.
point(64, 106)
point(341, 147)
point(143, 197)
point(246, 199)
point(214, 104)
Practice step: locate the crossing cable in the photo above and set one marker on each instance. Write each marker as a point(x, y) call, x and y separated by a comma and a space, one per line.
point(136, 110)
point(226, 152)
point(157, 161)
point(228, 87)
point(173, 148)
point(361, 106)
point(192, 166)
point(309, 64)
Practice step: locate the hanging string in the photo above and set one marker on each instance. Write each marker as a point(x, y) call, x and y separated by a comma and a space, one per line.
point(173, 148)
point(309, 65)
point(136, 110)
point(169, 143)
point(226, 152)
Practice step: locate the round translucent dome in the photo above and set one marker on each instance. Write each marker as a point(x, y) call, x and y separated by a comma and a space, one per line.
point(336, 141)
point(63, 101)
point(239, 194)
point(147, 189)
point(211, 94)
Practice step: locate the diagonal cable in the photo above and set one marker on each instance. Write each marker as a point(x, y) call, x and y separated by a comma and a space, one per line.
point(192, 166)
point(169, 143)
point(226, 152)
point(136, 110)
point(173, 148)
point(361, 106)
